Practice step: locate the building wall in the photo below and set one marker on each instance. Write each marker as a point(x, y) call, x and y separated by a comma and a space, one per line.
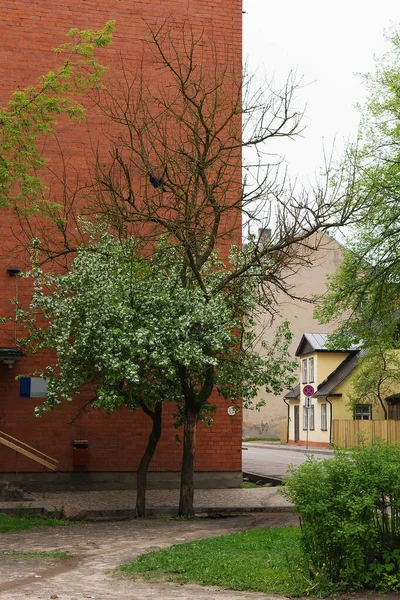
point(324, 364)
point(29, 32)
point(116, 441)
point(341, 410)
point(299, 313)
point(315, 437)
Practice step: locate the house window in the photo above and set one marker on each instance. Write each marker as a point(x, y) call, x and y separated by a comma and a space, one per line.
point(304, 371)
point(312, 419)
point(311, 370)
point(363, 412)
point(324, 419)
point(305, 418)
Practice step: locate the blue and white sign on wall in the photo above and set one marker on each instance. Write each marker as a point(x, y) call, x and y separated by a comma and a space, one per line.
point(32, 387)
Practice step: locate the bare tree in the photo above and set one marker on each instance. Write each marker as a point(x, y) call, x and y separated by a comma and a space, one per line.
point(173, 168)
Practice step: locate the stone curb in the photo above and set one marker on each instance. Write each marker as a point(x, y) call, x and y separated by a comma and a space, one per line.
point(204, 512)
point(129, 513)
point(246, 445)
point(275, 481)
point(28, 511)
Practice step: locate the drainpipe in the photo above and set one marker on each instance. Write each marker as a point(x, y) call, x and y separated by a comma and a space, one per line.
point(330, 420)
point(288, 419)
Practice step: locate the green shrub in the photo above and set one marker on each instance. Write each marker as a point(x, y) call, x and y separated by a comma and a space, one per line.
point(349, 510)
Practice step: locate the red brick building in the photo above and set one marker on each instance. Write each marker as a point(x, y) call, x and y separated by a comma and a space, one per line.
point(115, 442)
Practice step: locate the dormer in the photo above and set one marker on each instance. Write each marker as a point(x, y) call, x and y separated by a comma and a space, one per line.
point(317, 360)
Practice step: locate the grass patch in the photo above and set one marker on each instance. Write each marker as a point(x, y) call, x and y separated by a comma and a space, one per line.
point(55, 554)
point(250, 484)
point(263, 560)
point(8, 523)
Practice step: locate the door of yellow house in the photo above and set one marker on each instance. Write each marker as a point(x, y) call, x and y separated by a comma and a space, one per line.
point(296, 423)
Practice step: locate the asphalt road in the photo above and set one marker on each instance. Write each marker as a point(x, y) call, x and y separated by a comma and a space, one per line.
point(273, 462)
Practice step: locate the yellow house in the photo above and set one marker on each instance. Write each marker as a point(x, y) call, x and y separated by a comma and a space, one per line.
point(325, 375)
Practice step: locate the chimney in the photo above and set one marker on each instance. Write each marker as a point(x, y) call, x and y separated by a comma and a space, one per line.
point(264, 236)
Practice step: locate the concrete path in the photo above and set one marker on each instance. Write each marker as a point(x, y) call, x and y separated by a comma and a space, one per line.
point(121, 503)
point(98, 548)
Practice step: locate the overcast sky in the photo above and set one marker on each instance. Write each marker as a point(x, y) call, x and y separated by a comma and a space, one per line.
point(327, 43)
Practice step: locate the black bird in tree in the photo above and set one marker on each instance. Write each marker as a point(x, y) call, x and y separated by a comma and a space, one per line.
point(157, 182)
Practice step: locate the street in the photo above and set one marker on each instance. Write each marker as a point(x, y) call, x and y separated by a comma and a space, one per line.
point(272, 461)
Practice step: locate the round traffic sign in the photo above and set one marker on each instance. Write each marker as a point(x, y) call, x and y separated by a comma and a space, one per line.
point(308, 390)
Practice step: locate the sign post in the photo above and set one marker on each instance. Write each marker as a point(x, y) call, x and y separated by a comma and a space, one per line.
point(308, 391)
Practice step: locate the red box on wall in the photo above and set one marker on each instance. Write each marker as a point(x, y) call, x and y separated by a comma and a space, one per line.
point(80, 453)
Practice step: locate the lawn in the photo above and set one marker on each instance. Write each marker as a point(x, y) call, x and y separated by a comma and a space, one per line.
point(263, 560)
point(8, 523)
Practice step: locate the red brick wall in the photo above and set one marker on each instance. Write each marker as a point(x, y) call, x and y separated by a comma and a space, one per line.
point(29, 31)
point(116, 441)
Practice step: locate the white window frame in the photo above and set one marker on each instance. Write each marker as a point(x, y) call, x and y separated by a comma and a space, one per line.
point(324, 417)
point(363, 412)
point(311, 418)
point(311, 370)
point(304, 370)
point(305, 418)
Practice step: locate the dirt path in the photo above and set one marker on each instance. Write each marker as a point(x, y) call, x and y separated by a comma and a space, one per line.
point(98, 548)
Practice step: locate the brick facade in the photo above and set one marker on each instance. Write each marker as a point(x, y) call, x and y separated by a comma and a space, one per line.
point(116, 442)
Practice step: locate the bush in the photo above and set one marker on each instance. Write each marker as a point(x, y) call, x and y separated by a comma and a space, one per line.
point(349, 510)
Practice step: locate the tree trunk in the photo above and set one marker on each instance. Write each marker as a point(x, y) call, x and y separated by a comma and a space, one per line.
point(382, 402)
point(189, 448)
point(141, 475)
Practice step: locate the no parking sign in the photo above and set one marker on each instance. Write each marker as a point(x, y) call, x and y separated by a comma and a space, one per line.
point(308, 390)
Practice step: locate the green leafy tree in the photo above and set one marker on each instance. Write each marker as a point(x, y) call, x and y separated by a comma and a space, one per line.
point(124, 327)
point(363, 296)
point(363, 300)
point(376, 378)
point(365, 288)
point(32, 113)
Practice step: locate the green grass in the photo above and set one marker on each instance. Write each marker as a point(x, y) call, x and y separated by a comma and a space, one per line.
point(264, 560)
point(250, 484)
point(55, 554)
point(8, 523)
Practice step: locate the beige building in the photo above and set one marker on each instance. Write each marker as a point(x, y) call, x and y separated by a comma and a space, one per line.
point(307, 281)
